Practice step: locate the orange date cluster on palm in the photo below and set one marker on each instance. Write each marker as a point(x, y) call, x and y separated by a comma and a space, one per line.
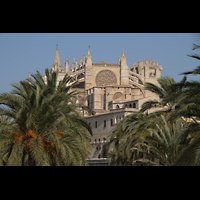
point(59, 133)
point(30, 136)
point(50, 146)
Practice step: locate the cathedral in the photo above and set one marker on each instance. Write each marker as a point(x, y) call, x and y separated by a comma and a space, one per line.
point(113, 91)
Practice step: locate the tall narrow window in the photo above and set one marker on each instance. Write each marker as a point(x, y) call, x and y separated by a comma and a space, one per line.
point(104, 101)
point(96, 124)
point(104, 123)
point(111, 122)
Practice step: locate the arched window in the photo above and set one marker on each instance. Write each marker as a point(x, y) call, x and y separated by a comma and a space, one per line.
point(134, 105)
point(130, 106)
point(117, 106)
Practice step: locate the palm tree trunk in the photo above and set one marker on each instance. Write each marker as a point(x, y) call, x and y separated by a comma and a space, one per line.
point(31, 161)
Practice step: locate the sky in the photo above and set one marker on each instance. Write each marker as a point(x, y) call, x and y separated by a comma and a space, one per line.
point(21, 52)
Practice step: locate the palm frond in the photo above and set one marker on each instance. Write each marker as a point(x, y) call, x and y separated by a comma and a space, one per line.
point(150, 104)
point(196, 56)
point(190, 156)
point(37, 111)
point(154, 88)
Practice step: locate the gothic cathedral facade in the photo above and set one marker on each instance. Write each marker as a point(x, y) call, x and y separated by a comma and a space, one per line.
point(113, 91)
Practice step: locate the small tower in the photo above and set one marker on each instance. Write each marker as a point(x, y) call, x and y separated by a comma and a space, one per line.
point(124, 79)
point(76, 64)
point(66, 65)
point(88, 71)
point(89, 58)
point(83, 59)
point(57, 64)
point(80, 63)
point(29, 75)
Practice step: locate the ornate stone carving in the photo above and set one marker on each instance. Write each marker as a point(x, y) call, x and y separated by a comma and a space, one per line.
point(117, 95)
point(105, 77)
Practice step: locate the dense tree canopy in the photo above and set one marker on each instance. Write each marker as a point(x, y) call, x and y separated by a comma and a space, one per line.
point(42, 125)
point(168, 136)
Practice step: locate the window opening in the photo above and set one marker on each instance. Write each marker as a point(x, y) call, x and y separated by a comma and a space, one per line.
point(104, 123)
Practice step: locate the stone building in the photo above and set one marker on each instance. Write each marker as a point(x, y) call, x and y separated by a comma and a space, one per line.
point(113, 91)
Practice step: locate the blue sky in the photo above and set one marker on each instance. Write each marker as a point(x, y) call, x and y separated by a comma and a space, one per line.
point(21, 52)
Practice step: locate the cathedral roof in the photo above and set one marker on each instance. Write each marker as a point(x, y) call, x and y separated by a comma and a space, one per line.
point(103, 63)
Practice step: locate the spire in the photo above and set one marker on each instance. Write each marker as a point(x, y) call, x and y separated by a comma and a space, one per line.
point(57, 64)
point(83, 59)
point(89, 56)
point(122, 60)
point(81, 62)
point(29, 75)
point(88, 52)
point(123, 54)
point(66, 65)
point(57, 58)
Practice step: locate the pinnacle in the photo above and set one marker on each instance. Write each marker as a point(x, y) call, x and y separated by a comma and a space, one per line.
point(29, 75)
point(57, 58)
point(88, 52)
point(123, 54)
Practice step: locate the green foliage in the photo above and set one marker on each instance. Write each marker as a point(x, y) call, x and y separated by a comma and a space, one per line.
point(162, 146)
point(131, 130)
point(167, 137)
point(46, 128)
point(166, 92)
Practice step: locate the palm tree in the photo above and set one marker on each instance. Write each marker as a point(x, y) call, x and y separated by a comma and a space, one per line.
point(164, 144)
point(157, 140)
point(131, 130)
point(185, 100)
point(166, 93)
point(49, 129)
point(63, 86)
point(188, 106)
